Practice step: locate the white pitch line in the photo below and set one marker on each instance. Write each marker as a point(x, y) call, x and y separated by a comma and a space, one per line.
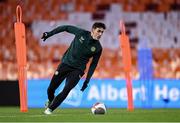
point(43, 115)
point(7, 116)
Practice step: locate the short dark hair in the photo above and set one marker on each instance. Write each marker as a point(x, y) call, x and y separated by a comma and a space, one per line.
point(98, 25)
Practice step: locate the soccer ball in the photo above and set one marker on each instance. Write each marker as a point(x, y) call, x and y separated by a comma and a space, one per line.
point(98, 108)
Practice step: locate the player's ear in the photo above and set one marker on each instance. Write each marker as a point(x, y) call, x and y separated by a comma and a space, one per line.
point(93, 29)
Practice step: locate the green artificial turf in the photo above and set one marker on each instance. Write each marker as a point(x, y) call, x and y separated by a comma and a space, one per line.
point(13, 114)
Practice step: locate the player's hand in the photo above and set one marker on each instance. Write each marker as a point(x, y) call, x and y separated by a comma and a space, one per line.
point(85, 85)
point(45, 36)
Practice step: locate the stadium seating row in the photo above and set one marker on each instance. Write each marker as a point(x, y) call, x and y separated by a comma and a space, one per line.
point(158, 31)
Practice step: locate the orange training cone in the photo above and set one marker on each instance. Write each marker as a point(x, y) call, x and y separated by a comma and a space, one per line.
point(21, 58)
point(126, 58)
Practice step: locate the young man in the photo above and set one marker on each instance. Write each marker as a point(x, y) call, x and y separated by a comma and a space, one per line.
point(84, 46)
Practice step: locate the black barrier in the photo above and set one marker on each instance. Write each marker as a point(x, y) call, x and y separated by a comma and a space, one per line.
point(9, 93)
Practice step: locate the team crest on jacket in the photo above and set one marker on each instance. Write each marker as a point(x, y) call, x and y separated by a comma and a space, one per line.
point(81, 39)
point(93, 48)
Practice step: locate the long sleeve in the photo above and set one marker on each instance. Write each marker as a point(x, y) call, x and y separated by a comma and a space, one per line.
point(68, 28)
point(93, 65)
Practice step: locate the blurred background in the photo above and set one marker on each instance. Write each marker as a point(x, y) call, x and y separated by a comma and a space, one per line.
point(153, 27)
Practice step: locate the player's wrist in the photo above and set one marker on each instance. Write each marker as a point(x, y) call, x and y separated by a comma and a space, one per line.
point(47, 34)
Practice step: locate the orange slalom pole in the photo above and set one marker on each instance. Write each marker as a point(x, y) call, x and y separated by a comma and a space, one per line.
point(20, 38)
point(126, 58)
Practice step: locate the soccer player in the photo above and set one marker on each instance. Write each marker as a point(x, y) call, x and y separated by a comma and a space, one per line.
point(84, 46)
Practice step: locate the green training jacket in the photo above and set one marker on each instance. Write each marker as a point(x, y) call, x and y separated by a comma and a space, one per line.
point(81, 49)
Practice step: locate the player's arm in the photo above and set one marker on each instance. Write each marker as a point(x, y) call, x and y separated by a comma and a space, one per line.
point(67, 28)
point(91, 70)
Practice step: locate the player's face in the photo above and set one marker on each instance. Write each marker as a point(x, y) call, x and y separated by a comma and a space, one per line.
point(97, 33)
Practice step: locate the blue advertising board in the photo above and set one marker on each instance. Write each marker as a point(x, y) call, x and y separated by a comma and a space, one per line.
point(164, 94)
